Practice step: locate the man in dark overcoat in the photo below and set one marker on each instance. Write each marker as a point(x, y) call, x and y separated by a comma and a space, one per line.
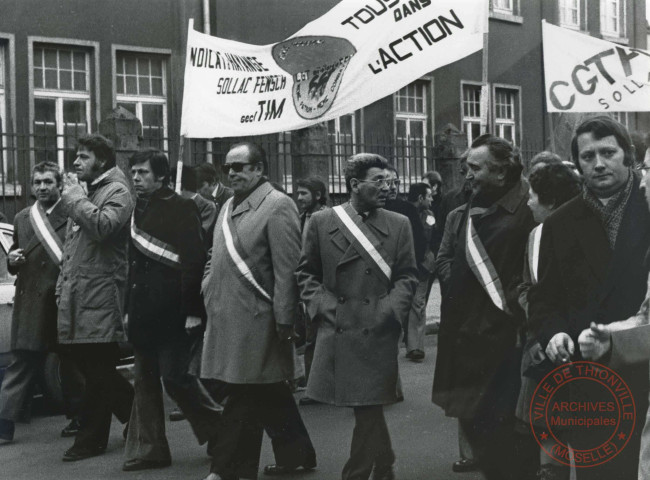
point(479, 265)
point(35, 262)
point(164, 305)
point(592, 266)
point(357, 276)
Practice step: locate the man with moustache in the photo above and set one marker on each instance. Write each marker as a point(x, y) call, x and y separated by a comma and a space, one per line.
point(311, 197)
point(592, 268)
point(34, 257)
point(164, 305)
point(251, 299)
point(479, 264)
point(91, 285)
point(357, 276)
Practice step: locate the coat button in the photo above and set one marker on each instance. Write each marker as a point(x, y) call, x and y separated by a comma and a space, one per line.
point(368, 271)
point(134, 285)
point(65, 278)
point(339, 330)
point(366, 301)
point(365, 331)
point(341, 299)
point(42, 264)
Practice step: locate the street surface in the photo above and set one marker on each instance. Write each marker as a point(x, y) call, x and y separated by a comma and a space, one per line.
point(424, 440)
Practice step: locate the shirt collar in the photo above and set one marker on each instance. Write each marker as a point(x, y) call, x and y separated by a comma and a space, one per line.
point(49, 210)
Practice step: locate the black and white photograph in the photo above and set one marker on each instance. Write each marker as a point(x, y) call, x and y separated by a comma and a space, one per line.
point(325, 239)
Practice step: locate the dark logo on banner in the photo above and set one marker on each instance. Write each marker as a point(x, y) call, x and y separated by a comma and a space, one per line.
point(317, 65)
point(582, 412)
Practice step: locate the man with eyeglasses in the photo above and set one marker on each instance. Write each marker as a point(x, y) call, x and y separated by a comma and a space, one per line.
point(357, 276)
point(395, 204)
point(592, 254)
point(251, 299)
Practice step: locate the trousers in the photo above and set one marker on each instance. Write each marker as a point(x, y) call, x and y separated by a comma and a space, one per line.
point(371, 446)
point(146, 439)
point(96, 362)
point(249, 410)
point(18, 382)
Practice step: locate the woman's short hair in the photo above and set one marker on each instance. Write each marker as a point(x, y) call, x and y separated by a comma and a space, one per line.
point(554, 184)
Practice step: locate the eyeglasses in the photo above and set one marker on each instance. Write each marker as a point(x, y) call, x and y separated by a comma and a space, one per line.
point(382, 182)
point(235, 166)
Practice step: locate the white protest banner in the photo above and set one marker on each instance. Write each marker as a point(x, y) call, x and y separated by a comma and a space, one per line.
point(355, 54)
point(587, 74)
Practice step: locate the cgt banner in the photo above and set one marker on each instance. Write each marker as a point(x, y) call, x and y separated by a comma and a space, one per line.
point(586, 74)
point(355, 54)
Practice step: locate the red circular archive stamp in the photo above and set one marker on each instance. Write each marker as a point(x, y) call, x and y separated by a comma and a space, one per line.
point(582, 411)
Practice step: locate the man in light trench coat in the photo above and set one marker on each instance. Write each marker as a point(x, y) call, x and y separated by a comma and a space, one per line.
point(357, 276)
point(251, 300)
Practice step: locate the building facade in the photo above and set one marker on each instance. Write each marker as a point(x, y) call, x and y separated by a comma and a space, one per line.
point(64, 66)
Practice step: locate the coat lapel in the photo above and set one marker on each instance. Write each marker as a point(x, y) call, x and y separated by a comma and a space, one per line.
point(57, 219)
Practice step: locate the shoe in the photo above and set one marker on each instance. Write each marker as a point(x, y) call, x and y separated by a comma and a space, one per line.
point(283, 470)
point(383, 473)
point(465, 465)
point(72, 428)
point(140, 464)
point(75, 454)
point(7, 429)
point(214, 476)
point(415, 355)
point(176, 415)
point(307, 401)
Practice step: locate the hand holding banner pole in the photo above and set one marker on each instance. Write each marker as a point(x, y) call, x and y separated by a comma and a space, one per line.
point(179, 164)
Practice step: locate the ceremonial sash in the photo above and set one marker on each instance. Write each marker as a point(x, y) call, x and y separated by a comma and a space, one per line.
point(533, 252)
point(45, 233)
point(238, 255)
point(362, 236)
point(153, 248)
point(482, 267)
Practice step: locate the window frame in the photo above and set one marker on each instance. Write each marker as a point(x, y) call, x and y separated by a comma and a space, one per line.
point(469, 119)
point(516, 109)
point(408, 117)
point(621, 20)
point(92, 97)
point(562, 9)
point(339, 146)
point(165, 55)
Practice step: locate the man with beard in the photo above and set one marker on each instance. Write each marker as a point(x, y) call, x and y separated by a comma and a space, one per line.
point(479, 264)
point(357, 275)
point(311, 198)
point(592, 269)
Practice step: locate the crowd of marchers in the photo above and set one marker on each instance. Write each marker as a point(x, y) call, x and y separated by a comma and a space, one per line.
point(217, 288)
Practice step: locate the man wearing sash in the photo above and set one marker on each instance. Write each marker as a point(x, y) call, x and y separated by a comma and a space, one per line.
point(164, 306)
point(357, 276)
point(592, 268)
point(34, 257)
point(251, 298)
point(480, 264)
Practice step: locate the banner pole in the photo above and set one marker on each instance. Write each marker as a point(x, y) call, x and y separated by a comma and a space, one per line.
point(485, 89)
point(179, 164)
